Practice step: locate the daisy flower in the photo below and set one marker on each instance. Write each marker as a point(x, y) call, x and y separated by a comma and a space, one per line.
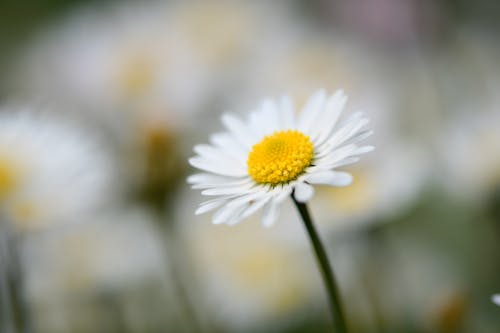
point(148, 61)
point(259, 162)
point(50, 172)
point(468, 160)
point(95, 251)
point(118, 253)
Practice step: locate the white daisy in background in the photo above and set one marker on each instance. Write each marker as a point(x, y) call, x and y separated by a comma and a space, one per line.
point(142, 72)
point(496, 299)
point(467, 155)
point(221, 34)
point(137, 63)
point(299, 61)
point(116, 256)
point(112, 250)
point(50, 171)
point(247, 287)
point(379, 191)
point(468, 81)
point(123, 67)
point(274, 153)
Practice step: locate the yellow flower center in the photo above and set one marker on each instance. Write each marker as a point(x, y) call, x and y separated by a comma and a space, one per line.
point(136, 75)
point(9, 178)
point(280, 158)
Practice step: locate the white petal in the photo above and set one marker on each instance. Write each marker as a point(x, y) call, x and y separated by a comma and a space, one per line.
point(223, 214)
point(218, 156)
point(303, 192)
point(287, 113)
point(210, 205)
point(255, 206)
point(349, 130)
point(236, 217)
point(254, 119)
point(333, 178)
point(229, 190)
point(496, 299)
point(243, 207)
point(314, 106)
point(239, 130)
point(230, 145)
point(343, 162)
point(363, 150)
point(237, 207)
point(328, 161)
point(227, 182)
point(208, 180)
point(360, 136)
point(209, 152)
point(333, 109)
point(329, 157)
point(269, 113)
point(204, 177)
point(283, 193)
point(270, 214)
point(218, 168)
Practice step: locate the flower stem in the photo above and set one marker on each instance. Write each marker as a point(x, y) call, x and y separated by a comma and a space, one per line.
point(325, 268)
point(17, 318)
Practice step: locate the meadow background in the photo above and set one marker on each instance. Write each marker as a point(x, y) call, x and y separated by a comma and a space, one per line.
point(415, 241)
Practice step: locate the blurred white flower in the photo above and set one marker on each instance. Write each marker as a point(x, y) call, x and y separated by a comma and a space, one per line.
point(299, 62)
point(496, 299)
point(253, 277)
point(259, 163)
point(122, 64)
point(471, 161)
point(109, 252)
point(50, 170)
point(381, 189)
point(149, 62)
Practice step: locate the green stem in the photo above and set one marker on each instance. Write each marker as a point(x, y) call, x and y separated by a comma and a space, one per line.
point(177, 271)
point(325, 268)
point(18, 318)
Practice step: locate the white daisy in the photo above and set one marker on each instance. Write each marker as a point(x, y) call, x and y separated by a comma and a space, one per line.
point(496, 299)
point(271, 282)
point(468, 161)
point(118, 253)
point(257, 163)
point(96, 251)
point(144, 62)
point(50, 172)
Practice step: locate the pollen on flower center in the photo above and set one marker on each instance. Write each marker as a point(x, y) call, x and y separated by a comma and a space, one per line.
point(280, 157)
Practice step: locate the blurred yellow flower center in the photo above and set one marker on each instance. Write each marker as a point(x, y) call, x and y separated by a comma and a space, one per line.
point(280, 158)
point(136, 75)
point(8, 178)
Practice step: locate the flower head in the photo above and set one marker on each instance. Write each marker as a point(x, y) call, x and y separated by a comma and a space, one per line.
point(89, 256)
point(50, 172)
point(257, 163)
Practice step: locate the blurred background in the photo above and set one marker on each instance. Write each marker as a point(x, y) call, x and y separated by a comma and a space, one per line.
point(102, 101)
